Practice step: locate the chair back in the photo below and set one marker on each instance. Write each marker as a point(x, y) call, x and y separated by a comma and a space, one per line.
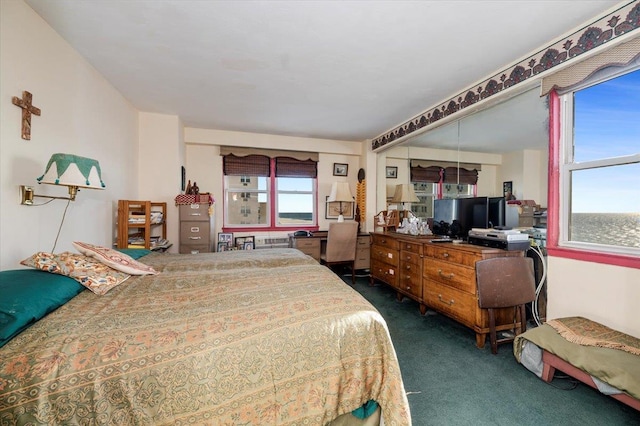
point(341, 242)
point(505, 281)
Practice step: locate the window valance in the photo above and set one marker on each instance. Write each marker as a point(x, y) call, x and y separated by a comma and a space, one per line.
point(239, 151)
point(432, 174)
point(460, 175)
point(249, 165)
point(291, 167)
point(619, 56)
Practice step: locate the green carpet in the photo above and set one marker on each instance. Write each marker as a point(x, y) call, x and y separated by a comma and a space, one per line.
point(451, 382)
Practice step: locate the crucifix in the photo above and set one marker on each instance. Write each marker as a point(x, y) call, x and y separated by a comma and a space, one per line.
point(27, 110)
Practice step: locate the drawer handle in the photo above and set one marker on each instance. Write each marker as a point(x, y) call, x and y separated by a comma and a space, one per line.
point(445, 254)
point(448, 276)
point(450, 302)
point(195, 251)
point(408, 287)
point(195, 229)
point(195, 238)
point(408, 267)
point(195, 214)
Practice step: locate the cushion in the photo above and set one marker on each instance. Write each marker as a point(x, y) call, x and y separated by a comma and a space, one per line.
point(26, 295)
point(135, 253)
point(96, 276)
point(114, 258)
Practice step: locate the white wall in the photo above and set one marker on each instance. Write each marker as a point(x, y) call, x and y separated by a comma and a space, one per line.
point(604, 293)
point(82, 114)
point(204, 163)
point(161, 153)
point(528, 171)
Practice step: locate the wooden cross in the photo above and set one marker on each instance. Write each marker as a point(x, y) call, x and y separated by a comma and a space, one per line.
point(27, 110)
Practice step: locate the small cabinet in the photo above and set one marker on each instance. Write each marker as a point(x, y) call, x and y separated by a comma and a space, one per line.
point(195, 228)
point(142, 224)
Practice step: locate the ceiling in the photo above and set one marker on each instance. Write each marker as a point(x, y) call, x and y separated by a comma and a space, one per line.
point(347, 70)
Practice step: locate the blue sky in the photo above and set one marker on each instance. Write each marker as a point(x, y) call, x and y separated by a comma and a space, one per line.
point(607, 124)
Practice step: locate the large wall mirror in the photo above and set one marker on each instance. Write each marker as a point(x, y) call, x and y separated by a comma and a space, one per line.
point(508, 140)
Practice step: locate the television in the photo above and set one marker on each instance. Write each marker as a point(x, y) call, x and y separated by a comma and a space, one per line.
point(472, 213)
point(455, 217)
point(497, 213)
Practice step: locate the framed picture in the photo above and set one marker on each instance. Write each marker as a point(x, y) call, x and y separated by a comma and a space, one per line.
point(340, 169)
point(333, 209)
point(507, 189)
point(183, 176)
point(248, 245)
point(222, 246)
point(391, 172)
point(241, 242)
point(225, 237)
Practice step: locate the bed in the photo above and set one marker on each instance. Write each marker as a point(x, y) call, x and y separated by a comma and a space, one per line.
point(598, 356)
point(265, 337)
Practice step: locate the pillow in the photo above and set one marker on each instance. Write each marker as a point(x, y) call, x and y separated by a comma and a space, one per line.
point(26, 295)
point(135, 253)
point(96, 276)
point(114, 258)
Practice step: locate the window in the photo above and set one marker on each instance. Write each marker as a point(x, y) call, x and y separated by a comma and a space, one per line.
point(285, 197)
point(426, 192)
point(599, 158)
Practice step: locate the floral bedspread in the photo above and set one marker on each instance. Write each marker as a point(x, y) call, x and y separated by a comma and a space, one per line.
point(235, 338)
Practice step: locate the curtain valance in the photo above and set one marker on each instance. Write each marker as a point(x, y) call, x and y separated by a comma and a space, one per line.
point(240, 151)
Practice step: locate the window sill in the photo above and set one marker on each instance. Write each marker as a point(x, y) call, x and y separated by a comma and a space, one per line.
point(596, 257)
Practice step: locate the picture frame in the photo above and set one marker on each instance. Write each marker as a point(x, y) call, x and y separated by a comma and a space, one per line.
point(222, 246)
point(507, 188)
point(248, 245)
point(391, 172)
point(225, 237)
point(333, 209)
point(183, 177)
point(241, 242)
point(340, 169)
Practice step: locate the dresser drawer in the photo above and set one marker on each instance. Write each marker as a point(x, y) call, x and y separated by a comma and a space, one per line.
point(452, 302)
point(410, 257)
point(384, 254)
point(411, 247)
point(363, 243)
point(450, 254)
point(384, 272)
point(194, 248)
point(194, 232)
point(384, 241)
point(194, 212)
point(460, 277)
point(411, 282)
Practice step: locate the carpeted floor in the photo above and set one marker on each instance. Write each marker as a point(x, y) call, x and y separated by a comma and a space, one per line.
point(451, 382)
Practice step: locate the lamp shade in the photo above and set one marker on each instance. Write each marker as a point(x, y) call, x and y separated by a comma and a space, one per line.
point(404, 194)
point(72, 170)
point(340, 192)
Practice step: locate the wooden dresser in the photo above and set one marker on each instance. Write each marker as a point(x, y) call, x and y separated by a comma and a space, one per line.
point(315, 245)
point(439, 276)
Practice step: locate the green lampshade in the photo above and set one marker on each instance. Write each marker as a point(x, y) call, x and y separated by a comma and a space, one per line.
point(73, 170)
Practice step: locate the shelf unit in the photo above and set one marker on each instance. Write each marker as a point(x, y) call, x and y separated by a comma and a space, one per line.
point(144, 229)
point(391, 220)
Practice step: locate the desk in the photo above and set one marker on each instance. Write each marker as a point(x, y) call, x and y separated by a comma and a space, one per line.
point(317, 243)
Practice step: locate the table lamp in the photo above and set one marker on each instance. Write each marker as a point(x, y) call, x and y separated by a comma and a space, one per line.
point(404, 194)
point(340, 193)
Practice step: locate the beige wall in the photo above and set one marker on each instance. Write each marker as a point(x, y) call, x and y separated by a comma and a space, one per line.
point(204, 164)
point(82, 114)
point(528, 171)
point(604, 293)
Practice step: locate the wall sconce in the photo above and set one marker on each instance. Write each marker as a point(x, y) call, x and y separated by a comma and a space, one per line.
point(68, 170)
point(341, 193)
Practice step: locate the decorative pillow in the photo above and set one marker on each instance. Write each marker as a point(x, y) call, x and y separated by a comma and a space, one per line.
point(26, 295)
point(135, 253)
point(114, 258)
point(96, 276)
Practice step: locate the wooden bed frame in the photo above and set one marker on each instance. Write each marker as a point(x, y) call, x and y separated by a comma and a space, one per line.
point(552, 362)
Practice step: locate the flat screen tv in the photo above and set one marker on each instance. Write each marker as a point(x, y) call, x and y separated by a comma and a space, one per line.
point(497, 213)
point(455, 217)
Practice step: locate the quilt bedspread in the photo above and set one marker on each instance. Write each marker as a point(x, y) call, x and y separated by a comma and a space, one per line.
point(238, 339)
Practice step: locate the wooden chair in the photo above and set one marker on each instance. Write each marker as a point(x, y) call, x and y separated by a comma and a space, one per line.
point(505, 282)
point(341, 246)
